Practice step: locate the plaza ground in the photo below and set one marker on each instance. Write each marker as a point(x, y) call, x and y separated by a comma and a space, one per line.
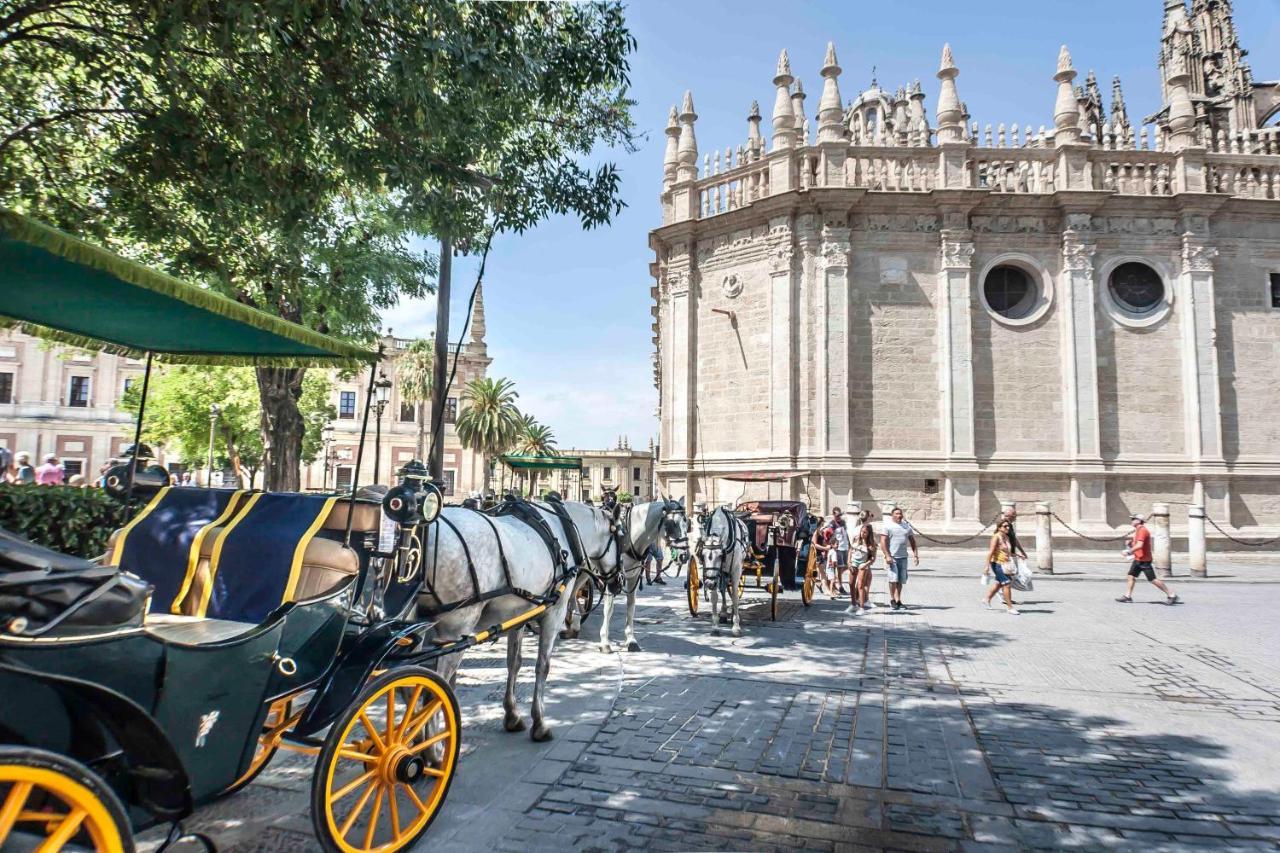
point(1082, 723)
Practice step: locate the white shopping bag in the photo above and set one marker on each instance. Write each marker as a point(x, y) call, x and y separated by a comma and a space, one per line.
point(1022, 576)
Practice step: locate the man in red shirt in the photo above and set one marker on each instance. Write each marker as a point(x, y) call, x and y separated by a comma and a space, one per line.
point(1140, 549)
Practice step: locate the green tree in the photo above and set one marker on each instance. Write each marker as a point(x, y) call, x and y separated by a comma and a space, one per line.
point(285, 152)
point(177, 418)
point(533, 439)
point(487, 423)
point(414, 370)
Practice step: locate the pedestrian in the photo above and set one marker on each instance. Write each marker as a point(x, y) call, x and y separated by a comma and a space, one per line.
point(1010, 515)
point(77, 481)
point(998, 556)
point(805, 533)
point(1139, 550)
point(23, 473)
point(6, 465)
point(50, 473)
point(653, 564)
point(838, 555)
point(862, 557)
point(897, 535)
point(186, 478)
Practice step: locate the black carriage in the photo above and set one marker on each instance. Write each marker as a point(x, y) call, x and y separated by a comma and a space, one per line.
point(221, 625)
point(771, 524)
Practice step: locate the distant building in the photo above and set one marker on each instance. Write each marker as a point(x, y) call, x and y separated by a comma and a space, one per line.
point(60, 400)
point(463, 469)
point(620, 468)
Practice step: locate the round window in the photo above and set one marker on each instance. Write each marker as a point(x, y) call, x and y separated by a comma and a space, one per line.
point(1009, 292)
point(1136, 287)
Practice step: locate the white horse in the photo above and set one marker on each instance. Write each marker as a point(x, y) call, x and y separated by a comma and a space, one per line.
point(447, 579)
point(721, 551)
point(619, 567)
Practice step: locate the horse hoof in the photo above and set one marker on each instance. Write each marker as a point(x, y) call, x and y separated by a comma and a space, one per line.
point(513, 724)
point(605, 648)
point(715, 632)
point(737, 632)
point(541, 733)
point(633, 646)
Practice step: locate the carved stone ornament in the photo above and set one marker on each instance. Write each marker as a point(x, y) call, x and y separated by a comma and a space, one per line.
point(678, 282)
point(780, 258)
point(731, 285)
point(957, 253)
point(1077, 256)
point(1079, 221)
point(1197, 257)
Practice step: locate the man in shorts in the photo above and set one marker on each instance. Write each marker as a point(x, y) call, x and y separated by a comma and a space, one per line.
point(894, 539)
point(1140, 549)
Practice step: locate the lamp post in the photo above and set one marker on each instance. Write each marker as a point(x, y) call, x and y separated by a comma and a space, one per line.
point(381, 393)
point(214, 412)
point(326, 436)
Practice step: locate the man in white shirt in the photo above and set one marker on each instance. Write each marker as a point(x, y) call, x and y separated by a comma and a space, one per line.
point(897, 535)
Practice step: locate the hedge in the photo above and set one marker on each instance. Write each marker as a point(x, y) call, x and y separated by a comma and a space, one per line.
point(65, 518)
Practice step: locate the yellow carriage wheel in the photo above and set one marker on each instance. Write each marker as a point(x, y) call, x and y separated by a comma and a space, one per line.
point(694, 586)
point(387, 764)
point(50, 802)
point(810, 578)
point(280, 718)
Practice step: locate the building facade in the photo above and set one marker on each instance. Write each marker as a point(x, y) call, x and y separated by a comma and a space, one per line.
point(948, 316)
point(619, 468)
point(463, 468)
point(60, 400)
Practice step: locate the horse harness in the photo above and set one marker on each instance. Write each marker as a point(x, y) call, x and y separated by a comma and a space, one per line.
point(526, 512)
point(727, 546)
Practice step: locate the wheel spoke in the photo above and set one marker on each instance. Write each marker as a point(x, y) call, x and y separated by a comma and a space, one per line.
point(12, 806)
point(69, 827)
point(408, 712)
point(413, 728)
point(373, 732)
point(351, 786)
point(391, 716)
point(356, 756)
point(394, 808)
point(417, 801)
point(358, 810)
point(431, 741)
point(373, 818)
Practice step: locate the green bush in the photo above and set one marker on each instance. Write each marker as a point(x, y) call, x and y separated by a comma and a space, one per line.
point(64, 518)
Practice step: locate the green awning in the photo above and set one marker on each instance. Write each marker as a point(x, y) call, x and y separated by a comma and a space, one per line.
point(93, 298)
point(543, 463)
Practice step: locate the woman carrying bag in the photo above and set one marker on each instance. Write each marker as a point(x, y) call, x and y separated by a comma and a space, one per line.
point(862, 555)
point(998, 556)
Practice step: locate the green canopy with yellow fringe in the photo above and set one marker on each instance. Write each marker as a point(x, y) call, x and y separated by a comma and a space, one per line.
point(60, 287)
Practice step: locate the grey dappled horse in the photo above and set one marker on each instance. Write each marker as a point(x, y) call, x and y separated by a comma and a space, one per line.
point(721, 551)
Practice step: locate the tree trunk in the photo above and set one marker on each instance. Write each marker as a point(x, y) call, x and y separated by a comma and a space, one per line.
point(279, 390)
point(421, 450)
point(488, 472)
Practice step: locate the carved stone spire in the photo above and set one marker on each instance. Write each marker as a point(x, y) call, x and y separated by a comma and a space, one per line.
point(784, 117)
point(1182, 114)
point(477, 321)
point(830, 109)
point(671, 158)
point(1119, 113)
point(918, 117)
point(797, 108)
point(1066, 110)
point(755, 142)
point(687, 151)
point(950, 114)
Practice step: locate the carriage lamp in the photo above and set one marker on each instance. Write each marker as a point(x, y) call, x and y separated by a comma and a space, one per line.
point(381, 393)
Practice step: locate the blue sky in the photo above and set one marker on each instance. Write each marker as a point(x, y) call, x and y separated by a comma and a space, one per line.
point(568, 310)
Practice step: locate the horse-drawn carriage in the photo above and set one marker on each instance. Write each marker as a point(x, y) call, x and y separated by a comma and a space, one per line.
point(771, 527)
point(222, 625)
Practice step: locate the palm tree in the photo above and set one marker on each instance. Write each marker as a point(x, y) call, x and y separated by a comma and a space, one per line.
point(534, 439)
point(414, 373)
point(489, 418)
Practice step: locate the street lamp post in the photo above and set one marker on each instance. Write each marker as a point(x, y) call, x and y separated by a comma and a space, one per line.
point(214, 412)
point(326, 435)
point(382, 392)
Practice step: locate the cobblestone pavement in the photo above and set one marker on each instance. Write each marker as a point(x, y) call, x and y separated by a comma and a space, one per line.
point(1082, 723)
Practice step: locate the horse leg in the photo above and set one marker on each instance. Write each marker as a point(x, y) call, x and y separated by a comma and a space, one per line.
point(606, 613)
point(715, 606)
point(573, 619)
point(734, 582)
point(630, 630)
point(546, 642)
point(511, 720)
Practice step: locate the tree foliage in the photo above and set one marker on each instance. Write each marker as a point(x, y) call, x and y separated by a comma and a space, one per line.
point(414, 374)
point(285, 152)
point(178, 415)
point(488, 421)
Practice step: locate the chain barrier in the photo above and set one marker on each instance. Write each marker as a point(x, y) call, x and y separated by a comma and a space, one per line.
point(1261, 544)
point(1121, 538)
point(962, 541)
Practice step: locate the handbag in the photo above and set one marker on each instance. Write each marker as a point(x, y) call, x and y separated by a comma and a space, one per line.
point(1022, 576)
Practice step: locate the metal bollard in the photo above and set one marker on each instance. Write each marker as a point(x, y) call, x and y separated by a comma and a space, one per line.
point(1044, 539)
point(1161, 546)
point(1195, 541)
